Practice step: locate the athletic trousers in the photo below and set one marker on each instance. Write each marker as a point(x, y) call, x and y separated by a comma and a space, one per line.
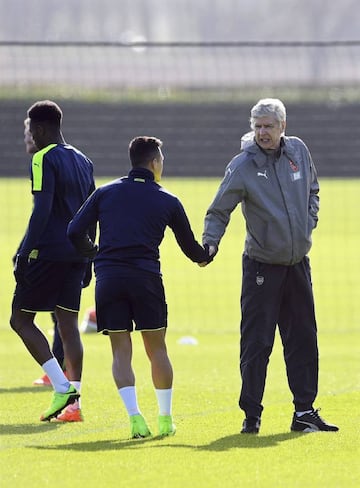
point(280, 295)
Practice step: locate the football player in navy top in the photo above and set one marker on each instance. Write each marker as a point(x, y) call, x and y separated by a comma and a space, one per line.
point(49, 271)
point(133, 213)
point(57, 347)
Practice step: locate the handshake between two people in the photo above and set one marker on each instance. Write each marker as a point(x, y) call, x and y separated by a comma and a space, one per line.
point(211, 251)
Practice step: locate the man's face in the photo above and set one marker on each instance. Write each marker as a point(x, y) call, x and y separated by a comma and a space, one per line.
point(268, 132)
point(37, 133)
point(30, 145)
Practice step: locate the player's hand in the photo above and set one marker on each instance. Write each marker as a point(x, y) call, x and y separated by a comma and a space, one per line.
point(20, 269)
point(90, 252)
point(85, 246)
point(87, 275)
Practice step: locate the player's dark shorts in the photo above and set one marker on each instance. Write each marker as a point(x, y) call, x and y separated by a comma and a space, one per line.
point(137, 298)
point(51, 284)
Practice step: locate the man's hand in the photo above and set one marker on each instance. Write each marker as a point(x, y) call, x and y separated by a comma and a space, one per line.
point(87, 275)
point(20, 269)
point(90, 252)
point(211, 251)
point(85, 246)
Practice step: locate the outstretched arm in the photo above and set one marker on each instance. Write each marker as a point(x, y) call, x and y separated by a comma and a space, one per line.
point(184, 235)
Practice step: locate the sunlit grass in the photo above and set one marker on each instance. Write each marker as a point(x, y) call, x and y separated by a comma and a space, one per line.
point(207, 450)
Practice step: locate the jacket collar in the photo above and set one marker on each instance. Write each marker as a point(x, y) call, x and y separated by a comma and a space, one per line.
point(260, 156)
point(141, 173)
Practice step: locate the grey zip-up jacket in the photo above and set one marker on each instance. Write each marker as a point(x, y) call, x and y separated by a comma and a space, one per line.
point(279, 200)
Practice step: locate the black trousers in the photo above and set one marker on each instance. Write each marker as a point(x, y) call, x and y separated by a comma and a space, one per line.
point(277, 295)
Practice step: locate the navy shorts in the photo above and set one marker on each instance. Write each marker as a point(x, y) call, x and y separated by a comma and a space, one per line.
point(51, 284)
point(137, 298)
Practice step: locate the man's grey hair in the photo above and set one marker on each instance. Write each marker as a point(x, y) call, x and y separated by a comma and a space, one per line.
point(268, 106)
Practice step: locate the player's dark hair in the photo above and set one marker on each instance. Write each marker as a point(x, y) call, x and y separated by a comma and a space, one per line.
point(143, 149)
point(45, 111)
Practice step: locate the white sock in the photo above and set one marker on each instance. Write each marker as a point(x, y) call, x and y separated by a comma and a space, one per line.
point(164, 398)
point(128, 395)
point(298, 414)
point(77, 385)
point(56, 375)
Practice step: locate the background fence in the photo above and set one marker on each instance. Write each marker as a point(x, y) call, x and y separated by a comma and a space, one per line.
point(195, 96)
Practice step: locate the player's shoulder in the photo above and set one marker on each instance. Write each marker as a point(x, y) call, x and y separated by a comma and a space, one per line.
point(164, 192)
point(58, 152)
point(44, 152)
point(105, 191)
point(76, 151)
point(167, 198)
point(112, 184)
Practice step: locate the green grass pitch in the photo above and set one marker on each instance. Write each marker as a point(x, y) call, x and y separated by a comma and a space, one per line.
point(207, 450)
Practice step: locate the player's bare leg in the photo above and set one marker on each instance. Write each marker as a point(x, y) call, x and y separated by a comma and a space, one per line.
point(125, 381)
point(33, 338)
point(38, 346)
point(161, 369)
point(122, 355)
point(67, 323)
point(70, 336)
point(162, 376)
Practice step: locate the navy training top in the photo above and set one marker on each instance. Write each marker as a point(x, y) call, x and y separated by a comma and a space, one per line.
point(133, 213)
point(62, 179)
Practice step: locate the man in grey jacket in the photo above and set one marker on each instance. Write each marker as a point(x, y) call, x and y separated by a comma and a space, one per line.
point(275, 181)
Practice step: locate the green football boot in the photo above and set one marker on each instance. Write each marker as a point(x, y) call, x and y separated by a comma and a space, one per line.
point(59, 402)
point(138, 427)
point(166, 425)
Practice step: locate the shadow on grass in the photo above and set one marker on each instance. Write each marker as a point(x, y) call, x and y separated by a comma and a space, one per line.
point(106, 445)
point(235, 441)
point(27, 429)
point(248, 441)
point(26, 389)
